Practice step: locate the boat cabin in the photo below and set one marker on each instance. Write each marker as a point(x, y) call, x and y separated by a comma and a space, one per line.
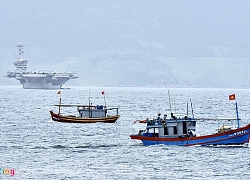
point(181, 126)
point(92, 111)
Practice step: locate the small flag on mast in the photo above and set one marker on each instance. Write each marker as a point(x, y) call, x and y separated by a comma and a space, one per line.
point(103, 93)
point(232, 97)
point(59, 92)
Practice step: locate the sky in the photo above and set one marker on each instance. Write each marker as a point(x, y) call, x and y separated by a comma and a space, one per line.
point(131, 43)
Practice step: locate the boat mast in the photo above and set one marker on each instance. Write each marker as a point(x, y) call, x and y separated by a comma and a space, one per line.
point(233, 97)
point(169, 99)
point(237, 115)
point(103, 93)
point(59, 108)
point(60, 102)
point(191, 104)
point(90, 111)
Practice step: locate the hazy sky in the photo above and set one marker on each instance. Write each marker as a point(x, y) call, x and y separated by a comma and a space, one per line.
point(142, 42)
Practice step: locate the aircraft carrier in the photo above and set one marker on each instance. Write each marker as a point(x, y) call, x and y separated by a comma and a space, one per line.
point(37, 79)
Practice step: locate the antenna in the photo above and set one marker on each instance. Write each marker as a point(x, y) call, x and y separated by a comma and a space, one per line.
point(191, 104)
point(169, 98)
point(20, 49)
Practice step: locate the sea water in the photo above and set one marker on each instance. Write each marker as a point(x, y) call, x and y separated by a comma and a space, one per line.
point(35, 147)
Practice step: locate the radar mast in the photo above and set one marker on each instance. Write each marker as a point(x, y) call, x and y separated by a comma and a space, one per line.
point(20, 62)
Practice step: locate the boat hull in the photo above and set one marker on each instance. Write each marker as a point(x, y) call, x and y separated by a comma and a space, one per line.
point(233, 137)
point(73, 119)
point(42, 81)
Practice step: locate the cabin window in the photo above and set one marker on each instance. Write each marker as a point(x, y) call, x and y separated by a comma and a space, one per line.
point(175, 130)
point(154, 130)
point(165, 130)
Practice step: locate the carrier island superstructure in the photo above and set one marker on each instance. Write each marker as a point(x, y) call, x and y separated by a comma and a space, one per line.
point(37, 79)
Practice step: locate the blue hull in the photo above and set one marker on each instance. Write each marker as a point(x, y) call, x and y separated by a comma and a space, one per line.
point(235, 141)
point(233, 137)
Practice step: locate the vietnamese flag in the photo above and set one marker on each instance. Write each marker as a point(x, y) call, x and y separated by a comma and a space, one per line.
point(232, 97)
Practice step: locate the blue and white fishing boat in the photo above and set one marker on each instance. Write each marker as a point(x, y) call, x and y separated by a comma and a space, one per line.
point(181, 130)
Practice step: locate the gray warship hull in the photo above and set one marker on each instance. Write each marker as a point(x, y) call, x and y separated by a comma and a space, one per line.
point(43, 81)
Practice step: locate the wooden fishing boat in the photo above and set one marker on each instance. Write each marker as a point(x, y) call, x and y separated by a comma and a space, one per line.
point(181, 130)
point(98, 117)
point(87, 114)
